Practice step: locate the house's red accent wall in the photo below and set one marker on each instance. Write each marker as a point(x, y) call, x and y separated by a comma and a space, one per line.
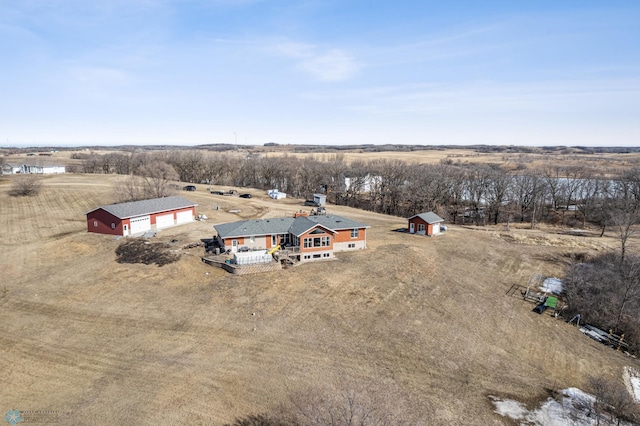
point(309, 235)
point(344, 235)
point(227, 241)
point(428, 228)
point(104, 220)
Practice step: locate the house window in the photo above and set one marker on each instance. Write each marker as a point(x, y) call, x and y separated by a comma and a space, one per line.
point(252, 238)
point(354, 233)
point(325, 255)
point(352, 245)
point(95, 223)
point(307, 256)
point(325, 241)
point(308, 242)
point(113, 226)
point(421, 227)
point(316, 256)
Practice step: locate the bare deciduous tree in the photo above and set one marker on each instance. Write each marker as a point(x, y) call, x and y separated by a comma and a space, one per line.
point(157, 176)
point(129, 189)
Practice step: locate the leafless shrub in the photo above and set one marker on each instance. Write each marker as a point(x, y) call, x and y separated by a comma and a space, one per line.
point(606, 293)
point(612, 400)
point(258, 420)
point(25, 186)
point(340, 406)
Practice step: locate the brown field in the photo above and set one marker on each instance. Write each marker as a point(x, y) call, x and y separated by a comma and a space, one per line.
point(532, 160)
point(107, 343)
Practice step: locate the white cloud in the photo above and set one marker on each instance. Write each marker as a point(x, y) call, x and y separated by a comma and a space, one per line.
point(98, 75)
point(324, 65)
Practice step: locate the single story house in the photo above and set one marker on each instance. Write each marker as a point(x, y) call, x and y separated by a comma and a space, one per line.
point(425, 224)
point(31, 169)
point(137, 217)
point(361, 183)
point(303, 237)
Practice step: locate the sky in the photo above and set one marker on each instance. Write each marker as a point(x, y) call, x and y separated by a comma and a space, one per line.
point(331, 72)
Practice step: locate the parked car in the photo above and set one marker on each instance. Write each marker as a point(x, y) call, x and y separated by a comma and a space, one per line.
point(310, 203)
point(217, 192)
point(245, 195)
point(189, 188)
point(231, 192)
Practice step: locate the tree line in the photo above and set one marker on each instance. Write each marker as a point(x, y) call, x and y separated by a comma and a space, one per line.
point(459, 192)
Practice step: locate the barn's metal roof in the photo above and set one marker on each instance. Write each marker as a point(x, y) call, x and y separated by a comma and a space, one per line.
point(145, 207)
point(286, 225)
point(429, 217)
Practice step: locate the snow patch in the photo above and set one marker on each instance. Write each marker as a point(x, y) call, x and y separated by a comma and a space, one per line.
point(574, 408)
point(631, 378)
point(510, 408)
point(635, 383)
point(552, 285)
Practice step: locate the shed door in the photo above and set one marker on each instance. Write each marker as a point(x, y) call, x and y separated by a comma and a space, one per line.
point(164, 221)
point(140, 224)
point(182, 217)
point(412, 228)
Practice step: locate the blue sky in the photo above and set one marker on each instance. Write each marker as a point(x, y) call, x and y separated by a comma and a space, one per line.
point(185, 72)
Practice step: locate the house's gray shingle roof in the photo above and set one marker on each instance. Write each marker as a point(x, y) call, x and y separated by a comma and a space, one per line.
point(144, 207)
point(429, 217)
point(301, 225)
point(297, 226)
point(246, 228)
point(337, 222)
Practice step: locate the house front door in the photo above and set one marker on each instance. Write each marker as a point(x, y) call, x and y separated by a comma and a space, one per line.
point(412, 228)
point(234, 246)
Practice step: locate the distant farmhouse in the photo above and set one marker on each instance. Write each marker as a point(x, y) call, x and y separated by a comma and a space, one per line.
point(425, 224)
point(138, 217)
point(32, 169)
point(361, 183)
point(301, 238)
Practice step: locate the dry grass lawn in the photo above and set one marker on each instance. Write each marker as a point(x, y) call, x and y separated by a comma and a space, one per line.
point(428, 319)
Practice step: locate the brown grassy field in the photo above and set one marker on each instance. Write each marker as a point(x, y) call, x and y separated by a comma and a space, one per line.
point(511, 160)
point(427, 319)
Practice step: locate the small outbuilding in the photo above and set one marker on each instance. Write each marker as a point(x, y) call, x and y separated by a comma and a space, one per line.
point(320, 200)
point(138, 217)
point(425, 224)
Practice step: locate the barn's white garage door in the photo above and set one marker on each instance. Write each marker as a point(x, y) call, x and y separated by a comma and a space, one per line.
point(140, 224)
point(182, 217)
point(164, 221)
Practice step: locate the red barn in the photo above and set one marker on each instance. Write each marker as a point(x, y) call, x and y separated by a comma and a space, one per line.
point(425, 224)
point(138, 217)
